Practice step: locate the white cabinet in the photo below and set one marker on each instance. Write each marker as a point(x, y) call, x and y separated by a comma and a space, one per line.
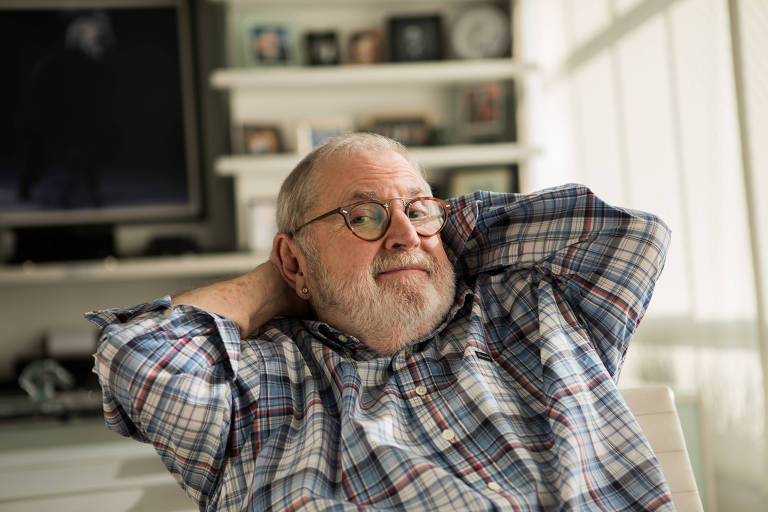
point(80, 465)
point(293, 95)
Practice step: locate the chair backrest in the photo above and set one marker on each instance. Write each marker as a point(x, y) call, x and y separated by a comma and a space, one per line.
point(655, 411)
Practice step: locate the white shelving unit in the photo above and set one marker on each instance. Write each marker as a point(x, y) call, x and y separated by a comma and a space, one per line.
point(291, 95)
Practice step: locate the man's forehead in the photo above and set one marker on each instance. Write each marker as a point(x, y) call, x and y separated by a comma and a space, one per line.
point(372, 174)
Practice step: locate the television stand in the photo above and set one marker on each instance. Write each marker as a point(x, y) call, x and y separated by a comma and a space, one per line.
point(63, 243)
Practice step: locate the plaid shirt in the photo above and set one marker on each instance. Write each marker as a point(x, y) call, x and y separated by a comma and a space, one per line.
point(511, 404)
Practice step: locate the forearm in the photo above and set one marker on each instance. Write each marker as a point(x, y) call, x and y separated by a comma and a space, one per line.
point(564, 230)
point(249, 300)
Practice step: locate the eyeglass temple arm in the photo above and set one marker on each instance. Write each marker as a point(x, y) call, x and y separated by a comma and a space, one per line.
point(319, 217)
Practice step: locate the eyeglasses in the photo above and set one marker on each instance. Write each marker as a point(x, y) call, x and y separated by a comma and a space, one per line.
point(370, 219)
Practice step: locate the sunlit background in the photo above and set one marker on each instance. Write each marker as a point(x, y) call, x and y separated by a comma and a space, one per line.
point(661, 105)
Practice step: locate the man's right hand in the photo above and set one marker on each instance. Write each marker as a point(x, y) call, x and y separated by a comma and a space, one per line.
point(249, 300)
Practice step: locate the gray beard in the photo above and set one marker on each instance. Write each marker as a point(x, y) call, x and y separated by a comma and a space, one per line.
point(385, 316)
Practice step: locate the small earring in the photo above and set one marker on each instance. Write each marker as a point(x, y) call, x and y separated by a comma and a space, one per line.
point(305, 290)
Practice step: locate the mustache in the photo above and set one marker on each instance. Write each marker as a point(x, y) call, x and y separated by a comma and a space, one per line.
point(399, 260)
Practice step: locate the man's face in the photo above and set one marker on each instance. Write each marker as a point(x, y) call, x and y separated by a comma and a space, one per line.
point(388, 292)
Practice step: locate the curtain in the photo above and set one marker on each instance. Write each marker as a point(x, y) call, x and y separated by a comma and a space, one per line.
point(639, 101)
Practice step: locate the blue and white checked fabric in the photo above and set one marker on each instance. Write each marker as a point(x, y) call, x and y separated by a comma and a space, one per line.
point(511, 404)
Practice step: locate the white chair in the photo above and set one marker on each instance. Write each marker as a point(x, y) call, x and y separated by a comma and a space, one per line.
point(654, 408)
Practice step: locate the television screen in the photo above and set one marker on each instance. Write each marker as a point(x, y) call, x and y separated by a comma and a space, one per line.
point(97, 108)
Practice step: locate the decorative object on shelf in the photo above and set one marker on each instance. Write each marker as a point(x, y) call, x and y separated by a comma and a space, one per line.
point(366, 47)
point(409, 129)
point(482, 112)
point(258, 139)
point(267, 42)
point(416, 38)
point(322, 48)
point(481, 32)
point(312, 133)
point(494, 179)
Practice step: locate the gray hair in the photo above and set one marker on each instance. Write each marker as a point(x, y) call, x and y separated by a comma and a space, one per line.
point(298, 192)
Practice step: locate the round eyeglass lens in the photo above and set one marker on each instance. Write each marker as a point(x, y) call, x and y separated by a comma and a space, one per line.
point(368, 220)
point(427, 216)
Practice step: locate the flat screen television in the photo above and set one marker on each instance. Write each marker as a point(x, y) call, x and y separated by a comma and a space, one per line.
point(99, 120)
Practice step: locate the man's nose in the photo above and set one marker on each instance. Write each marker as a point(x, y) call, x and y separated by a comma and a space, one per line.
point(401, 233)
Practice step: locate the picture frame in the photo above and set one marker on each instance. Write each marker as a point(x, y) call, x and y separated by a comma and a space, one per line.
point(261, 139)
point(416, 38)
point(366, 47)
point(408, 129)
point(494, 179)
point(312, 133)
point(266, 42)
point(482, 112)
point(322, 48)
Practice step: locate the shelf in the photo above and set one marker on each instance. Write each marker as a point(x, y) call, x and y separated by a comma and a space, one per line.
point(313, 3)
point(462, 155)
point(401, 73)
point(272, 166)
point(277, 167)
point(114, 269)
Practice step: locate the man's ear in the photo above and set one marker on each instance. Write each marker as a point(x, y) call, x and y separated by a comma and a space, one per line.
point(290, 262)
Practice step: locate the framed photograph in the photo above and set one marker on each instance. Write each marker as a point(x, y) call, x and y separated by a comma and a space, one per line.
point(493, 179)
point(322, 48)
point(366, 47)
point(410, 130)
point(258, 139)
point(266, 43)
point(312, 133)
point(416, 38)
point(482, 112)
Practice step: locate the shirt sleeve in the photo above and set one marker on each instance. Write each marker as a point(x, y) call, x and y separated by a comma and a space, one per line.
point(166, 374)
point(604, 260)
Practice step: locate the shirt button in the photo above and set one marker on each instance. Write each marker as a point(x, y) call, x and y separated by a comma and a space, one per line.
point(448, 434)
point(493, 486)
point(421, 390)
point(342, 338)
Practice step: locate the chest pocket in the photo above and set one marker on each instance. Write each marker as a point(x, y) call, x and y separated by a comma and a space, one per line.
point(497, 397)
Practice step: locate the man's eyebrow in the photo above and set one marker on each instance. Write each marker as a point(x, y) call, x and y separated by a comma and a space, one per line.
point(366, 194)
point(363, 195)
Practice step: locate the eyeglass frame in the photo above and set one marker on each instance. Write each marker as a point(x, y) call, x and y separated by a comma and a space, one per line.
point(407, 202)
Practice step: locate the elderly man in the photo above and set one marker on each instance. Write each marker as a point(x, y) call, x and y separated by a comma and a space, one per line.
point(400, 352)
